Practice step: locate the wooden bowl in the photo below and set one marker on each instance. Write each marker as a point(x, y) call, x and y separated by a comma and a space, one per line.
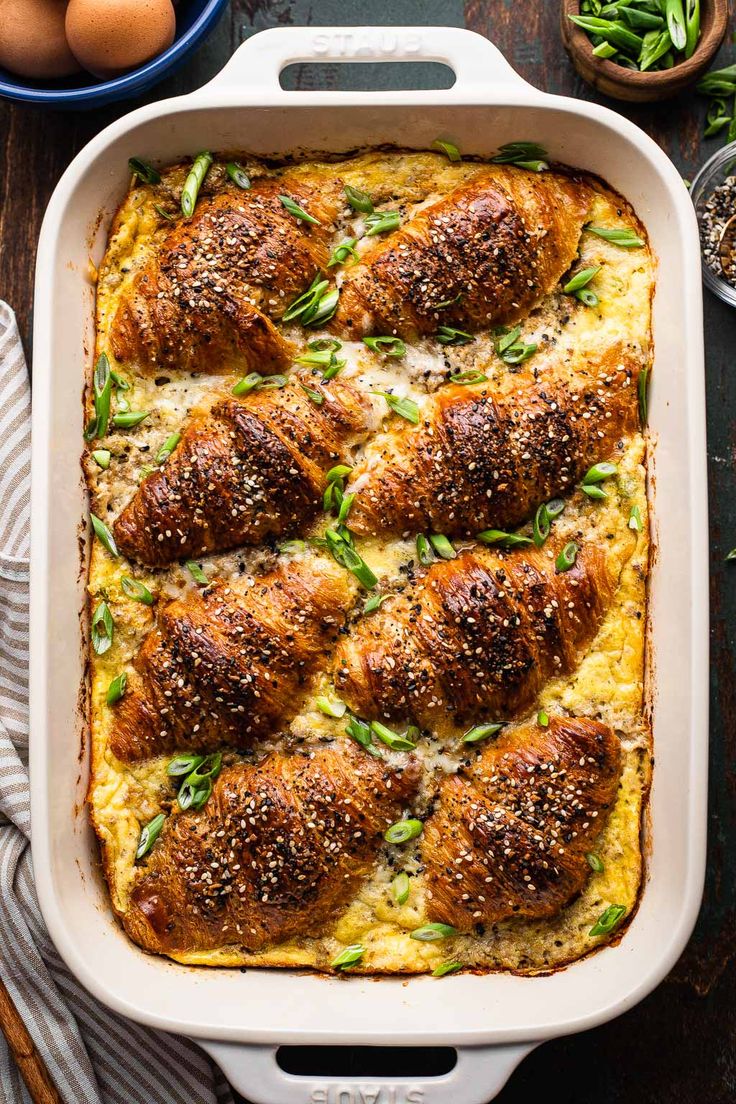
point(628, 84)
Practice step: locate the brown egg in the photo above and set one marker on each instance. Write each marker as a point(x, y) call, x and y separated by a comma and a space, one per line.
point(110, 36)
point(32, 39)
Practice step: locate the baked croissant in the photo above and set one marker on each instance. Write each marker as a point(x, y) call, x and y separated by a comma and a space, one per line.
point(276, 852)
point(206, 301)
point(510, 833)
point(251, 469)
point(476, 636)
point(484, 254)
point(482, 457)
point(230, 663)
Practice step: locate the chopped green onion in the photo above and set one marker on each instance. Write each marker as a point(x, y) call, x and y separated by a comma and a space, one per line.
point(382, 221)
point(446, 968)
point(643, 393)
point(325, 308)
point(453, 153)
point(164, 214)
point(348, 957)
point(129, 418)
point(342, 251)
point(102, 386)
point(431, 933)
point(136, 591)
point(405, 408)
point(526, 155)
point(581, 279)
point(359, 201)
point(335, 367)
point(316, 396)
point(731, 555)
point(588, 297)
point(595, 862)
point(567, 557)
point(615, 32)
point(594, 491)
point(360, 731)
point(620, 236)
point(471, 376)
point(605, 50)
point(655, 47)
point(238, 175)
point(116, 689)
point(675, 16)
point(513, 351)
point(389, 346)
point(325, 344)
point(635, 521)
point(319, 359)
point(247, 383)
point(293, 546)
point(442, 546)
point(390, 738)
point(103, 628)
point(197, 785)
point(340, 471)
point(506, 540)
point(374, 602)
point(149, 835)
point(167, 448)
point(197, 573)
point(307, 302)
point(297, 211)
point(104, 536)
point(482, 732)
point(692, 26)
point(400, 887)
point(599, 472)
point(194, 182)
point(120, 381)
point(608, 920)
point(102, 458)
point(543, 719)
point(424, 550)
point(144, 170)
point(184, 765)
point(347, 557)
point(403, 831)
point(448, 335)
point(331, 707)
point(545, 515)
point(345, 506)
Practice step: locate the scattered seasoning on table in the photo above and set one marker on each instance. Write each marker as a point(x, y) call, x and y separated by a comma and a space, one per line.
point(718, 209)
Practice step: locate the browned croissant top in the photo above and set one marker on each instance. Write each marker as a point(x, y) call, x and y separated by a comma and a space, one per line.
point(252, 468)
point(206, 301)
point(276, 852)
point(482, 457)
point(230, 663)
point(510, 833)
point(476, 636)
point(482, 255)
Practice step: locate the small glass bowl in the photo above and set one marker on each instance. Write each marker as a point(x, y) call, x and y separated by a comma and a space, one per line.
point(715, 171)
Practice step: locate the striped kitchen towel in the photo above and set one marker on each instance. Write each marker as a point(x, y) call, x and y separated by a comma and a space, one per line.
point(92, 1055)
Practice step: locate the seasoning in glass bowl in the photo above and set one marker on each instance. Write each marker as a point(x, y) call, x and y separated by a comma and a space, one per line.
point(718, 230)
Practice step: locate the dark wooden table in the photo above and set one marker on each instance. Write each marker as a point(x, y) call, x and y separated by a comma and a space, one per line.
point(679, 1045)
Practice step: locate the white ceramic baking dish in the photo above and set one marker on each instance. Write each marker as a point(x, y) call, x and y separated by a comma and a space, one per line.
point(241, 1018)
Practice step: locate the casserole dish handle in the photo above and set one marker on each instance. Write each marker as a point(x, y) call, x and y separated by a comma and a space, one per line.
point(475, 61)
point(478, 1076)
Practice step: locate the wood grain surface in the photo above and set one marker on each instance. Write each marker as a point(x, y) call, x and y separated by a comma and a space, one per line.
point(679, 1045)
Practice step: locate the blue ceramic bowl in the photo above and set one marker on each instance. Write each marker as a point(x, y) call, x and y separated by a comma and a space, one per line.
point(194, 21)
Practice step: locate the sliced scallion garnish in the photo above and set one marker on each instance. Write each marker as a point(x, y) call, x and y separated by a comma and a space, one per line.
point(513, 351)
point(468, 377)
point(343, 552)
point(380, 222)
point(349, 956)
point(400, 888)
point(197, 785)
point(116, 689)
point(247, 383)
point(167, 448)
point(390, 738)
point(331, 707)
point(594, 491)
point(448, 335)
point(164, 214)
point(136, 591)
point(425, 554)
point(543, 718)
point(403, 831)
point(103, 628)
point(620, 236)
point(360, 731)
point(194, 182)
point(635, 521)
point(298, 212)
point(525, 155)
point(345, 506)
point(405, 408)
point(599, 472)
point(315, 396)
point(102, 458)
point(104, 536)
point(482, 732)
point(389, 346)
point(448, 148)
point(595, 862)
point(442, 546)
point(197, 573)
point(505, 540)
point(432, 933)
point(238, 175)
point(374, 602)
point(446, 968)
point(567, 556)
point(643, 395)
point(184, 764)
point(581, 279)
point(149, 834)
point(608, 920)
point(102, 381)
point(129, 418)
point(359, 201)
point(543, 518)
point(144, 170)
point(342, 251)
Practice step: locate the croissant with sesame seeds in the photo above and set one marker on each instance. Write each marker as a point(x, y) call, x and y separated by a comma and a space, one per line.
point(510, 833)
point(227, 664)
point(252, 468)
point(276, 852)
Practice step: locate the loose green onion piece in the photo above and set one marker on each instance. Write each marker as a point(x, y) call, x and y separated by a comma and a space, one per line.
point(122, 404)
point(692, 26)
point(424, 550)
point(325, 344)
point(90, 430)
point(184, 765)
point(449, 302)
point(555, 507)
point(345, 506)
point(136, 591)
point(347, 557)
point(567, 557)
point(469, 377)
point(453, 153)
point(405, 408)
point(205, 771)
point(638, 19)
point(316, 396)
point(595, 862)
point(655, 47)
point(513, 351)
point(168, 447)
point(374, 602)
point(193, 796)
point(675, 16)
point(400, 887)
point(643, 393)
point(102, 457)
point(342, 251)
point(390, 738)
point(297, 211)
point(144, 472)
point(104, 536)
point(382, 221)
point(527, 155)
point(293, 546)
point(403, 831)
point(194, 182)
point(506, 540)
point(335, 367)
point(197, 573)
point(102, 386)
point(149, 835)
point(340, 471)
point(543, 520)
point(599, 472)
point(620, 236)
point(543, 718)
point(442, 546)
point(348, 957)
point(129, 418)
point(360, 731)
point(144, 170)
point(273, 383)
point(635, 521)
point(605, 50)
point(116, 689)
point(359, 201)
point(613, 31)
point(331, 707)
point(307, 301)
point(446, 968)
point(432, 933)
point(482, 732)
point(164, 214)
point(581, 279)
point(247, 383)
point(594, 491)
point(238, 175)
point(319, 358)
point(120, 381)
point(608, 920)
point(324, 309)
point(731, 555)
point(448, 335)
point(588, 297)
point(103, 628)
point(389, 346)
